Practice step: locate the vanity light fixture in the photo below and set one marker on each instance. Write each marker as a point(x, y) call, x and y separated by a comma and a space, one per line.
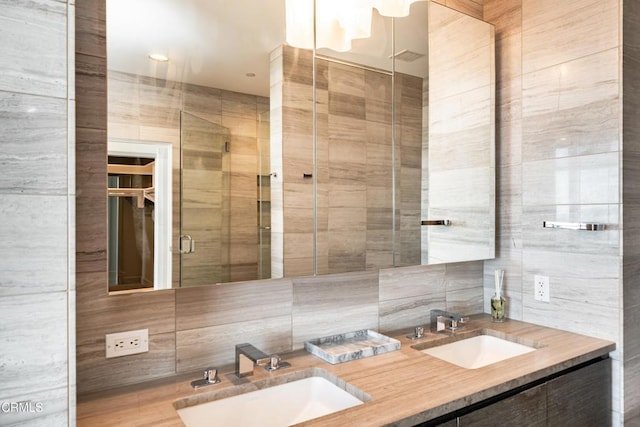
point(159, 57)
point(337, 22)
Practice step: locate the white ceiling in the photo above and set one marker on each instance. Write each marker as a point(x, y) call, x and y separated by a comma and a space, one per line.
point(216, 43)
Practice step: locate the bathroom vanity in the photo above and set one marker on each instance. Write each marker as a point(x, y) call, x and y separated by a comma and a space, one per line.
point(565, 381)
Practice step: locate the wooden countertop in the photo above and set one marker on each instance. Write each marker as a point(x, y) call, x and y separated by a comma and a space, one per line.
point(406, 386)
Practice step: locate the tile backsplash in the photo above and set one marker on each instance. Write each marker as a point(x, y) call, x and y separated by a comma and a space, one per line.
point(274, 315)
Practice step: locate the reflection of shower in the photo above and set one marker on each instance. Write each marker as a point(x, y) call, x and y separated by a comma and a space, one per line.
point(225, 211)
point(204, 243)
point(264, 196)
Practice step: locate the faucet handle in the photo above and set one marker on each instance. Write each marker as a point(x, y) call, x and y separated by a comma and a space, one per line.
point(275, 363)
point(211, 375)
point(418, 333)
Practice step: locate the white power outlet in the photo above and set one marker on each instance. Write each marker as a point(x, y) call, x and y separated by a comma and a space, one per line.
point(125, 343)
point(541, 288)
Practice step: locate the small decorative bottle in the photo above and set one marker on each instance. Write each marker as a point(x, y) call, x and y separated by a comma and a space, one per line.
point(497, 302)
point(497, 308)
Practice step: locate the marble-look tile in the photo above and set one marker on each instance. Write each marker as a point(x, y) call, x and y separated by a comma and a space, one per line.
point(202, 101)
point(297, 96)
point(554, 33)
point(509, 101)
point(631, 314)
point(470, 237)
point(91, 241)
point(215, 345)
point(463, 291)
point(91, 92)
point(462, 63)
point(508, 64)
point(55, 410)
point(631, 130)
point(33, 335)
point(95, 372)
point(631, 419)
point(606, 242)
point(408, 282)
point(407, 313)
point(581, 285)
point(377, 97)
point(506, 16)
point(470, 7)
point(572, 315)
point(34, 144)
point(317, 300)
point(347, 106)
point(470, 187)
point(90, 28)
point(160, 102)
point(347, 256)
point(589, 179)
point(235, 104)
point(509, 200)
point(346, 80)
point(33, 53)
point(34, 256)
point(123, 99)
point(143, 310)
point(572, 109)
point(225, 304)
point(630, 22)
point(71, 54)
point(631, 273)
point(469, 111)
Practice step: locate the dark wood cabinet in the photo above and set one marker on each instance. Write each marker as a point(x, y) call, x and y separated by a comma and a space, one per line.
point(579, 397)
point(528, 408)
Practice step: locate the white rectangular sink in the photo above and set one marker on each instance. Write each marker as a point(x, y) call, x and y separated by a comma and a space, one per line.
point(277, 406)
point(478, 351)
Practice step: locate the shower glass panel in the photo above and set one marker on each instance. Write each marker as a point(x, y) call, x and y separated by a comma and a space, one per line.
point(204, 242)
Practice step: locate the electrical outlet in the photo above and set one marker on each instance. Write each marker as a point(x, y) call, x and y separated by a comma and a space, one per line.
point(541, 288)
point(126, 343)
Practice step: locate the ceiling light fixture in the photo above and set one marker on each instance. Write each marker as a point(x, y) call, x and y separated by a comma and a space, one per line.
point(158, 57)
point(338, 22)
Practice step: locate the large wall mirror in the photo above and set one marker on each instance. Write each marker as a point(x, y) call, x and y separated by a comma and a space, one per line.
point(374, 150)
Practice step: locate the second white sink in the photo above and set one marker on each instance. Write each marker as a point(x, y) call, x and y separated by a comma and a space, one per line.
point(478, 351)
point(276, 406)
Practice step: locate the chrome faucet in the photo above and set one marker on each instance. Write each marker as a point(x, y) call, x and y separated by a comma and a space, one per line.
point(248, 356)
point(443, 321)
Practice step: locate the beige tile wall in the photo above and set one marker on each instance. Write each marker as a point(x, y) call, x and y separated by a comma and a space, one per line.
point(558, 154)
point(37, 188)
point(190, 328)
point(461, 163)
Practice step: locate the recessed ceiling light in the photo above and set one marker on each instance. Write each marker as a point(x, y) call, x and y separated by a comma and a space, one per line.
point(159, 57)
point(250, 74)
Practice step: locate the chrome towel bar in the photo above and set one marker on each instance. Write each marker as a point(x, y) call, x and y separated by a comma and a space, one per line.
point(445, 222)
point(574, 225)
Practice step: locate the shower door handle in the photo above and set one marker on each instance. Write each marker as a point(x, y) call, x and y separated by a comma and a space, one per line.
point(187, 244)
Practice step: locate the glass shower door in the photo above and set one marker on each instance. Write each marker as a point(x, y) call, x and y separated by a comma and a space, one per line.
point(204, 202)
